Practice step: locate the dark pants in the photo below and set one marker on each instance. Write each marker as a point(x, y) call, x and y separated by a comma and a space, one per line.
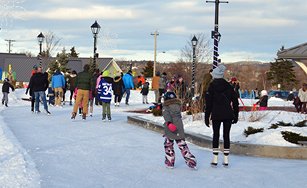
point(127, 95)
point(216, 133)
point(117, 98)
point(71, 95)
point(303, 107)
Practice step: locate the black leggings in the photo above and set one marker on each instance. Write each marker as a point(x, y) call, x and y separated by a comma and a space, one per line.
point(216, 133)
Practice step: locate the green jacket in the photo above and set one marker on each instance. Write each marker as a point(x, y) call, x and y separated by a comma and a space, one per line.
point(84, 80)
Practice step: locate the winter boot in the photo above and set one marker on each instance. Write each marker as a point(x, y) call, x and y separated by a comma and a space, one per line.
point(103, 117)
point(226, 160)
point(84, 116)
point(70, 103)
point(169, 153)
point(73, 115)
point(187, 155)
point(215, 157)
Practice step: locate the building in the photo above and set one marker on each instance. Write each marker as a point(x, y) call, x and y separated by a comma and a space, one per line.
point(22, 65)
point(298, 54)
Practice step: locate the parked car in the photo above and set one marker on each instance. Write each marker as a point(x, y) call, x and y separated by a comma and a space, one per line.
point(280, 94)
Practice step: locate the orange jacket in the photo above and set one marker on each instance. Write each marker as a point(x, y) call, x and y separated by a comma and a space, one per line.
point(155, 82)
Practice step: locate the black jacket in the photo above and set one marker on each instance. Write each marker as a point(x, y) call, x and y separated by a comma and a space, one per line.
point(6, 87)
point(221, 101)
point(39, 82)
point(118, 86)
point(145, 88)
point(263, 102)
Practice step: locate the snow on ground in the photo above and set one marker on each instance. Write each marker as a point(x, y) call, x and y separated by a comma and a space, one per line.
point(266, 119)
point(37, 150)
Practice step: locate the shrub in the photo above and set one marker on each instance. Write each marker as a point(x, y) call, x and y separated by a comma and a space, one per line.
point(274, 126)
point(157, 112)
point(301, 124)
point(293, 137)
point(251, 130)
point(283, 124)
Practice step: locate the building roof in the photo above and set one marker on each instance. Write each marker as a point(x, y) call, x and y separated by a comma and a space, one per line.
point(296, 52)
point(22, 65)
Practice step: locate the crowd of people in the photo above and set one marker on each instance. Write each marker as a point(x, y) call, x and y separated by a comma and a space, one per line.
point(220, 101)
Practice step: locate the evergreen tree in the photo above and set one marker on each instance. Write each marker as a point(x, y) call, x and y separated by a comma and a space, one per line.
point(63, 60)
point(73, 52)
point(281, 72)
point(53, 66)
point(148, 69)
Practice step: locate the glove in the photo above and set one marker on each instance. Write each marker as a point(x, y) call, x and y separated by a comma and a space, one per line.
point(172, 127)
point(235, 120)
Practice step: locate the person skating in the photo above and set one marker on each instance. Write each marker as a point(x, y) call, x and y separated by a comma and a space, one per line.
point(39, 84)
point(72, 85)
point(174, 131)
point(118, 88)
point(6, 90)
point(128, 83)
point(222, 106)
point(145, 91)
point(58, 84)
point(105, 94)
point(83, 83)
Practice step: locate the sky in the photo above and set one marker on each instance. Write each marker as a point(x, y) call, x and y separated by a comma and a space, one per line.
point(251, 30)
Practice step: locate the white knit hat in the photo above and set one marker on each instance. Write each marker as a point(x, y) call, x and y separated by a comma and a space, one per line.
point(218, 72)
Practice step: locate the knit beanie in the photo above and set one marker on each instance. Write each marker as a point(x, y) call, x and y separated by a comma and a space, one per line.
point(218, 72)
point(106, 73)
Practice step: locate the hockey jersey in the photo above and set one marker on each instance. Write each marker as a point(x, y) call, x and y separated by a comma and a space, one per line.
point(104, 91)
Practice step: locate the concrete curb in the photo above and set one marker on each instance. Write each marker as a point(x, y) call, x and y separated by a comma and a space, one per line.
point(236, 148)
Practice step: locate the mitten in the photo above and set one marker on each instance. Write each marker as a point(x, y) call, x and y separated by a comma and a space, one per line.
point(235, 120)
point(172, 127)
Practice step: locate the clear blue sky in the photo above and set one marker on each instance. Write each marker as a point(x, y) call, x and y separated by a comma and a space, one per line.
point(251, 29)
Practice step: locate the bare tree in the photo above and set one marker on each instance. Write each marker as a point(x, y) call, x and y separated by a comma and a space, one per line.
point(52, 43)
point(203, 49)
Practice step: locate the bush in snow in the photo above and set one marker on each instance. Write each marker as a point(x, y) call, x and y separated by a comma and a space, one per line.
point(250, 130)
point(301, 124)
point(157, 112)
point(273, 126)
point(293, 137)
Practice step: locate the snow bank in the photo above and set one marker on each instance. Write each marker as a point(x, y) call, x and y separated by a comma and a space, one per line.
point(16, 167)
point(268, 137)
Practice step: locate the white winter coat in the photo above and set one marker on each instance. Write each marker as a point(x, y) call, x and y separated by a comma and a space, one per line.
point(302, 95)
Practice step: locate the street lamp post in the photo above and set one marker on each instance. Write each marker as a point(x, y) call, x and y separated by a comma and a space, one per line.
point(194, 44)
point(215, 34)
point(155, 34)
point(95, 30)
point(40, 39)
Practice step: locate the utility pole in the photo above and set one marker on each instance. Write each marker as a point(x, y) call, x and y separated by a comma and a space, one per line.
point(10, 43)
point(155, 34)
point(215, 34)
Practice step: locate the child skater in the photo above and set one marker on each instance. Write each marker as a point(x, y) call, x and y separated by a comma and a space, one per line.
point(174, 131)
point(105, 94)
point(263, 101)
point(145, 91)
point(6, 90)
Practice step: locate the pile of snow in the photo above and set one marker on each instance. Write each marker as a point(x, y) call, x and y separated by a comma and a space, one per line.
point(268, 137)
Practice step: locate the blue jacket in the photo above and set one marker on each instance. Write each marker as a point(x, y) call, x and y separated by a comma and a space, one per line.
point(58, 80)
point(105, 90)
point(128, 81)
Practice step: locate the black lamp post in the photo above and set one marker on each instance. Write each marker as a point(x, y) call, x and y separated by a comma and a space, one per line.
point(40, 39)
point(95, 30)
point(194, 44)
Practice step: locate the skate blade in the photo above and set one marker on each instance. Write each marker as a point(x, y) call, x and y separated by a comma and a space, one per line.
point(169, 167)
point(225, 165)
point(213, 165)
